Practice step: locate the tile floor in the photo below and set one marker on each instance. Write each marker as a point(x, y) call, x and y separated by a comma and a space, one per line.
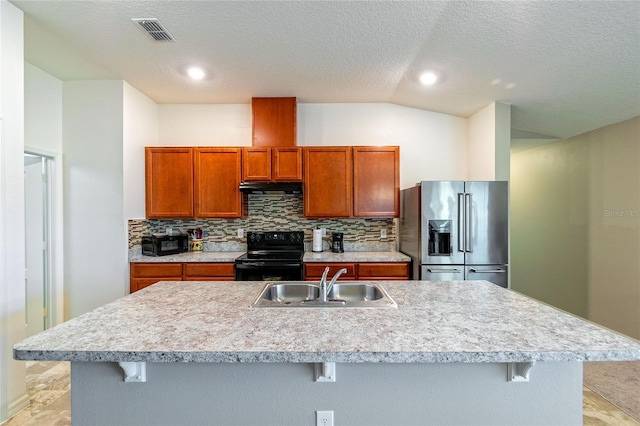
point(49, 390)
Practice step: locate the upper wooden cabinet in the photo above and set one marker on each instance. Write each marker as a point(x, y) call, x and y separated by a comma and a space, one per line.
point(274, 121)
point(282, 164)
point(287, 164)
point(359, 181)
point(376, 181)
point(169, 182)
point(256, 163)
point(328, 178)
point(217, 174)
point(193, 182)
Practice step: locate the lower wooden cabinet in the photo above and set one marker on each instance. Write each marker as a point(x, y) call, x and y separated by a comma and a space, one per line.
point(144, 274)
point(359, 271)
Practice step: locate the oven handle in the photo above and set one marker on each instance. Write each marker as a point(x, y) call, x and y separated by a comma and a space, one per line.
point(249, 265)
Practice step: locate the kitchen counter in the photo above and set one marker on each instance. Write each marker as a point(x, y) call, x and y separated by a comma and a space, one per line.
point(191, 256)
point(230, 256)
point(356, 256)
point(468, 321)
point(453, 353)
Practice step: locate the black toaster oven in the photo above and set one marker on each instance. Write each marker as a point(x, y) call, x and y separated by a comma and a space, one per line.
point(162, 245)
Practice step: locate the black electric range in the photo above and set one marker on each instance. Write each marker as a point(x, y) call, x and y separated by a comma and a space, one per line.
point(271, 256)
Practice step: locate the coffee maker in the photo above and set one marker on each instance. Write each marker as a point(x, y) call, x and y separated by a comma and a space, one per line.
point(336, 242)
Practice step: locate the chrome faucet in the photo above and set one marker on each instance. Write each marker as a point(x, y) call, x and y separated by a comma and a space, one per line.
point(326, 288)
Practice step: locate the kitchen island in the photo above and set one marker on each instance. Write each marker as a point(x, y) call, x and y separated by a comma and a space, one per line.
point(465, 352)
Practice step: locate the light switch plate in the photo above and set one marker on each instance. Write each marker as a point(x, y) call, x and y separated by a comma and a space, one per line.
point(240, 233)
point(383, 233)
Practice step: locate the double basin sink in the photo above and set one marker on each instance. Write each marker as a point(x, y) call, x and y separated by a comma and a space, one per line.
point(307, 295)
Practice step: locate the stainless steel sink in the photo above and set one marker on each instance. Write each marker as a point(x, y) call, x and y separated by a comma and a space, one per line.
point(306, 295)
point(285, 293)
point(356, 292)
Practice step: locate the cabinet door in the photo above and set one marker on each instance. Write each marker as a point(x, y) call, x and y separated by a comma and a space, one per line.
point(383, 271)
point(313, 271)
point(327, 181)
point(287, 164)
point(169, 182)
point(376, 181)
point(256, 164)
point(217, 178)
point(274, 121)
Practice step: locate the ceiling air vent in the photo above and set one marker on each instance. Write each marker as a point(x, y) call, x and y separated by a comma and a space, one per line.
point(154, 28)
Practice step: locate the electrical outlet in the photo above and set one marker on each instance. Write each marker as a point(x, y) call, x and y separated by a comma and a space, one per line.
point(240, 233)
point(323, 231)
point(324, 418)
point(383, 233)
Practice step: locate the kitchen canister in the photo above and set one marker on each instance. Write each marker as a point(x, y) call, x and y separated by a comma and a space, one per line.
point(196, 244)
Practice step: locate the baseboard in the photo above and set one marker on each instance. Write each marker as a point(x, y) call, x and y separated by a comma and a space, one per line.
point(16, 406)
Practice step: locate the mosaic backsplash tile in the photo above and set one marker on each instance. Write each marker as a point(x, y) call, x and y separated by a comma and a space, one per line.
point(272, 213)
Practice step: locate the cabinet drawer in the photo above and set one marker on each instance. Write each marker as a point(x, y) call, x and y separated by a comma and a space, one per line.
point(313, 271)
point(161, 270)
point(208, 271)
point(381, 271)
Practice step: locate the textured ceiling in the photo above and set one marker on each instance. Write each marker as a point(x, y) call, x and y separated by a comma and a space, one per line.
point(565, 67)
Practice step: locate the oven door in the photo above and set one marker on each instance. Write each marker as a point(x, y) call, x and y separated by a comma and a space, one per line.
point(268, 271)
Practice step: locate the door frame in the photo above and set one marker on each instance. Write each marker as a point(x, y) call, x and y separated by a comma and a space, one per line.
point(55, 243)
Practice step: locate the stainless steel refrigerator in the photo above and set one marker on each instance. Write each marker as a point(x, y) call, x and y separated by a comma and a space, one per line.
point(455, 230)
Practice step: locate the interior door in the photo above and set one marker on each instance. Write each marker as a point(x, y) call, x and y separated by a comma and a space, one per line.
point(35, 214)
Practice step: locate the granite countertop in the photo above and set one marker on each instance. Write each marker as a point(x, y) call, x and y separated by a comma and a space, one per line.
point(436, 321)
point(230, 256)
point(190, 256)
point(356, 256)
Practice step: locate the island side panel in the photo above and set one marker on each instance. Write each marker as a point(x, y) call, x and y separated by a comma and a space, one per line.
point(364, 394)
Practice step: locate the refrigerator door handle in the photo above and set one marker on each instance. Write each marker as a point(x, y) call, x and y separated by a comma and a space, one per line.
point(468, 204)
point(443, 271)
point(461, 223)
point(487, 271)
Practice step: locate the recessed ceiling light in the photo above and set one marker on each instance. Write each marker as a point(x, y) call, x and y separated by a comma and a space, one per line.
point(428, 78)
point(196, 73)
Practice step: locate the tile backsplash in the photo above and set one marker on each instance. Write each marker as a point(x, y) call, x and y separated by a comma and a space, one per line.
point(273, 213)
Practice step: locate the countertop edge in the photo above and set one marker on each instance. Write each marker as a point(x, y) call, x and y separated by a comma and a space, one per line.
point(338, 357)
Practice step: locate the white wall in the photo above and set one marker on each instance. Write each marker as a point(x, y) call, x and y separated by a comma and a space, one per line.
point(43, 136)
point(489, 143)
point(95, 255)
point(205, 125)
point(140, 127)
point(433, 146)
point(43, 111)
point(12, 239)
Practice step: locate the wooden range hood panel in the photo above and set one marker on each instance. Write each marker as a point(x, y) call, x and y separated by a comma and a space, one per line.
point(274, 122)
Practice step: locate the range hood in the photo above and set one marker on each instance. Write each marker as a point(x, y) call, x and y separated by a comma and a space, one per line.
point(271, 188)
